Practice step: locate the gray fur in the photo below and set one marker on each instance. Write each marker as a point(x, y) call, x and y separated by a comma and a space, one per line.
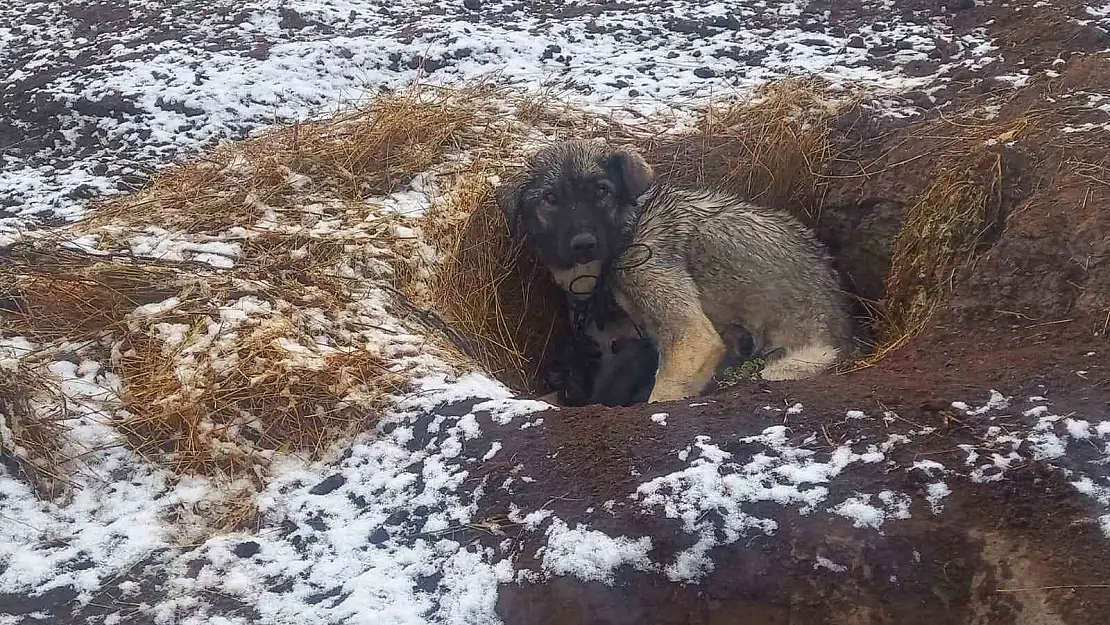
point(690, 266)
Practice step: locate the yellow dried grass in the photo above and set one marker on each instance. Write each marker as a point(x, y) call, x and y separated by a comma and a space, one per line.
point(51, 293)
point(222, 422)
point(30, 439)
point(772, 147)
point(945, 225)
point(491, 287)
point(351, 156)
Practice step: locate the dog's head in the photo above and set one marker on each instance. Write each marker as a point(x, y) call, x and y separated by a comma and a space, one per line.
point(575, 198)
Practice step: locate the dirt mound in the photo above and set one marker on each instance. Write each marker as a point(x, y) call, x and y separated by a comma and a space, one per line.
point(1009, 545)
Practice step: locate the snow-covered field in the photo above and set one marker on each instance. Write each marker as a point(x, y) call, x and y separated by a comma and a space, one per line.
point(382, 530)
point(100, 93)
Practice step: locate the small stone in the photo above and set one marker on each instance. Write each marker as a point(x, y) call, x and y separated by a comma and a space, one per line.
point(920, 99)
point(291, 20)
point(260, 52)
point(857, 42)
point(328, 485)
point(379, 536)
point(918, 68)
point(246, 550)
point(705, 72)
point(84, 192)
point(473, 5)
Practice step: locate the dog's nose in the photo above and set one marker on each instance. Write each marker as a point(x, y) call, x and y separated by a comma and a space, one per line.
point(584, 245)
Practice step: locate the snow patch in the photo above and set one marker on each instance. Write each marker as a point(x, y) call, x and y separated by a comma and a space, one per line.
point(590, 555)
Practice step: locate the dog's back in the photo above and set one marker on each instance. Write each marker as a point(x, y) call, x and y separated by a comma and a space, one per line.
point(755, 268)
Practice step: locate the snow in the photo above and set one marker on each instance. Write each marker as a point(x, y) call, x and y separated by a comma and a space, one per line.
point(861, 512)
point(227, 74)
point(590, 555)
point(936, 492)
point(713, 482)
point(1078, 428)
point(825, 563)
point(996, 402)
point(379, 526)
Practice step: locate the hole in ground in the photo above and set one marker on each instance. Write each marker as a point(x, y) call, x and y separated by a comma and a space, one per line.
point(564, 369)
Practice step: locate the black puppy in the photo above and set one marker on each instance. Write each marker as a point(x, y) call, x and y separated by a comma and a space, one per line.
point(606, 361)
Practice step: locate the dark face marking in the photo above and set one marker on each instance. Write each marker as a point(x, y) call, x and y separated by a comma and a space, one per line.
point(575, 197)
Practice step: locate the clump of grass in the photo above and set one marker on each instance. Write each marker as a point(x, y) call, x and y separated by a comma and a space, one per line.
point(31, 440)
point(49, 293)
point(943, 229)
point(491, 287)
point(218, 402)
point(771, 147)
point(744, 372)
point(351, 156)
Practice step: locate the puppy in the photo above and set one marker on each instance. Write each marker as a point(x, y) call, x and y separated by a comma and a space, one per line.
point(605, 362)
point(688, 266)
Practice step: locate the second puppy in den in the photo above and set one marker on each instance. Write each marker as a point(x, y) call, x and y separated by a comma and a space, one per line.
point(688, 266)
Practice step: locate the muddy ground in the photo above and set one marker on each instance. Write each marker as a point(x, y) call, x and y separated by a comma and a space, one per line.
point(1030, 315)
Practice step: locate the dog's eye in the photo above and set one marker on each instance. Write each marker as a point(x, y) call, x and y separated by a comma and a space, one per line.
point(602, 190)
point(549, 197)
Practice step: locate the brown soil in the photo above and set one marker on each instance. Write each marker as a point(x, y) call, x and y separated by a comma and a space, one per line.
point(1030, 531)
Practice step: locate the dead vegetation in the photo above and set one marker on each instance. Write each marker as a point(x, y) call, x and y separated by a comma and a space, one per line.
point(31, 439)
point(772, 147)
point(492, 289)
point(48, 292)
point(219, 404)
point(278, 346)
point(960, 209)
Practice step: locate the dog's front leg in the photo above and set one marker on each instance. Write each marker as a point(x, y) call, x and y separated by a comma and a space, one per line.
point(688, 361)
point(690, 348)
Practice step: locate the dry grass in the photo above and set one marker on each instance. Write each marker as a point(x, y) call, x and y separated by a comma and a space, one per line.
point(49, 293)
point(30, 439)
point(938, 238)
point(223, 420)
point(945, 225)
point(294, 201)
point(772, 147)
point(350, 157)
point(491, 287)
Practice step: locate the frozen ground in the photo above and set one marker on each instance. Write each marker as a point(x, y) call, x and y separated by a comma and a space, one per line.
point(393, 528)
point(96, 94)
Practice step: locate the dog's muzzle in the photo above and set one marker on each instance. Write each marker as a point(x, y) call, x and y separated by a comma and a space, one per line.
point(584, 247)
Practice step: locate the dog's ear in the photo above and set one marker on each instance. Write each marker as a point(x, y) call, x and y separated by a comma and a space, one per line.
point(633, 171)
point(508, 197)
